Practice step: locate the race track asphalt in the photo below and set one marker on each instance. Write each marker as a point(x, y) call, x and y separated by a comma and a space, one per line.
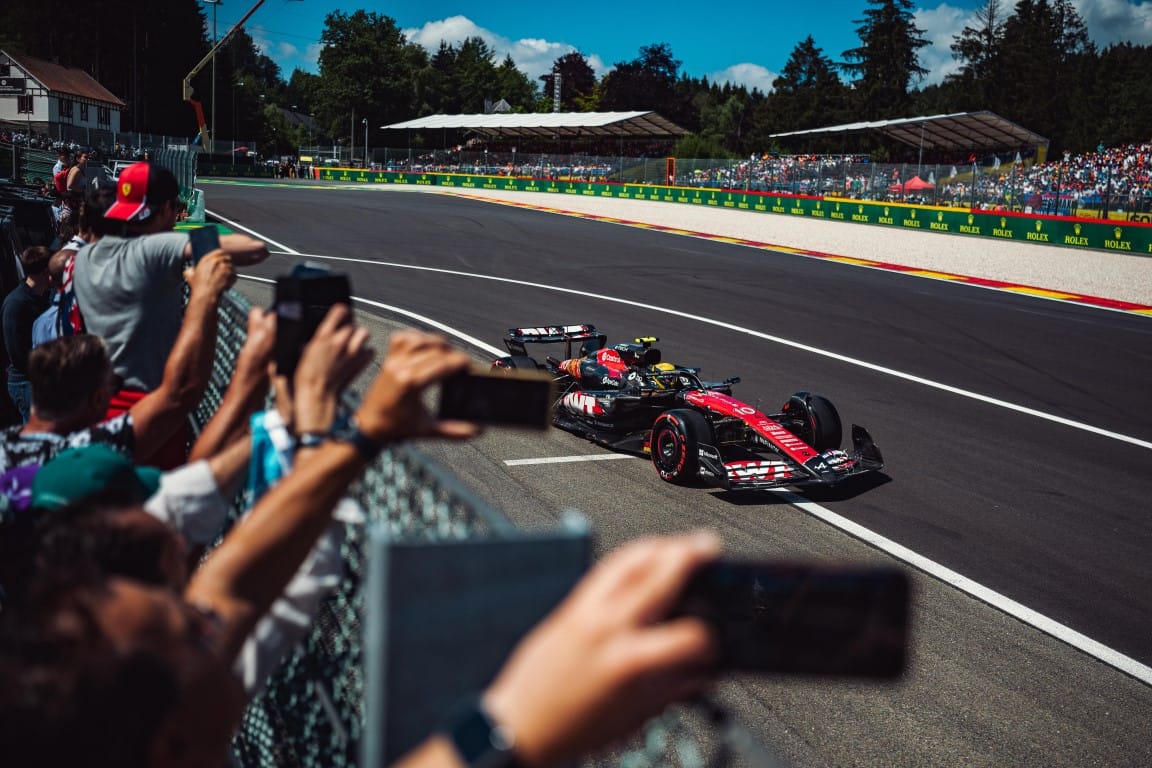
point(1016, 431)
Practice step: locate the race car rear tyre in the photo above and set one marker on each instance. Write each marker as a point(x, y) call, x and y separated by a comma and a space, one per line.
point(676, 436)
point(516, 363)
point(823, 431)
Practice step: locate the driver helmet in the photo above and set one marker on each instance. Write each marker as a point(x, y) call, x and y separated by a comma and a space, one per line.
point(660, 382)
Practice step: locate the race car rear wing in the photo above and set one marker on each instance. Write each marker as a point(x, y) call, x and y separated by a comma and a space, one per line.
point(516, 338)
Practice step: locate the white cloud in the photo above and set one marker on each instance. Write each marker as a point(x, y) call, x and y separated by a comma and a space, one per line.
point(533, 56)
point(1116, 21)
point(748, 75)
point(941, 25)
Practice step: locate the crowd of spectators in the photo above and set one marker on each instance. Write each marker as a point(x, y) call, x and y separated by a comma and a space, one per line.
point(121, 644)
point(100, 150)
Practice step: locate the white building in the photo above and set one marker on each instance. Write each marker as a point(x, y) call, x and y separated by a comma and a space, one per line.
point(44, 96)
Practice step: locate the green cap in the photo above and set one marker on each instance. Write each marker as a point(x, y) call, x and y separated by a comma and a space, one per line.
point(80, 472)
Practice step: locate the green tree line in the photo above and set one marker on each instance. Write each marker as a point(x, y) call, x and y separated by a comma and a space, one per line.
point(1030, 61)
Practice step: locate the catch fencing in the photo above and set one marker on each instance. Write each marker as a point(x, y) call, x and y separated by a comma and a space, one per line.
point(992, 184)
point(311, 715)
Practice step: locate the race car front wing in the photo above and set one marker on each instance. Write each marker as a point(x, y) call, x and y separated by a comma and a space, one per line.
point(827, 468)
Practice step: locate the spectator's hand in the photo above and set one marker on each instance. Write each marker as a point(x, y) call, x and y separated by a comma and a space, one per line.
point(604, 662)
point(212, 276)
point(393, 407)
point(334, 356)
point(260, 342)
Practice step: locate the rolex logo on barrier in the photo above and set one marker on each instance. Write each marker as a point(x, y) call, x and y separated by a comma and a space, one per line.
point(1038, 236)
point(1118, 244)
point(1076, 238)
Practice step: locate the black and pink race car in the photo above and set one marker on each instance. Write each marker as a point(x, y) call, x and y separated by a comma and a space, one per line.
point(626, 398)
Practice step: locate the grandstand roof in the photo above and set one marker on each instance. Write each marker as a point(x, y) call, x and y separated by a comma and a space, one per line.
point(549, 124)
point(961, 130)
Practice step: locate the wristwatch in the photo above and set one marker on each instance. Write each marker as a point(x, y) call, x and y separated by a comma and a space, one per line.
point(480, 741)
point(349, 432)
point(312, 439)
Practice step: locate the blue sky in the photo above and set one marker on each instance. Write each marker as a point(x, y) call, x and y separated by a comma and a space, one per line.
point(736, 41)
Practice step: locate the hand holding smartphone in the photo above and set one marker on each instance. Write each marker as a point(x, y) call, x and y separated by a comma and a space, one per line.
point(509, 399)
point(203, 240)
point(794, 618)
point(303, 299)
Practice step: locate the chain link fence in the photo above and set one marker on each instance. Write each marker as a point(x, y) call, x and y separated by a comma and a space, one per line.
point(992, 183)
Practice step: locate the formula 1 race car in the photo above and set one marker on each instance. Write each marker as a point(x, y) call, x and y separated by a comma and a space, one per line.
point(626, 398)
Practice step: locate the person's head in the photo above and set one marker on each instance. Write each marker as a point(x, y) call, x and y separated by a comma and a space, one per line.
point(147, 199)
point(56, 267)
point(97, 200)
point(72, 379)
point(35, 260)
point(64, 155)
point(113, 533)
point(82, 158)
point(111, 672)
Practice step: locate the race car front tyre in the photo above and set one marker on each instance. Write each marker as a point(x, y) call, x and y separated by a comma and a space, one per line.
point(824, 430)
point(814, 420)
point(674, 444)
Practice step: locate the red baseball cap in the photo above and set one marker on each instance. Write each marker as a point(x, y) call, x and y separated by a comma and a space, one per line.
point(140, 189)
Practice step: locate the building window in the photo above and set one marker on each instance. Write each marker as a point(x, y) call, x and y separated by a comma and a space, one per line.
point(103, 116)
point(24, 105)
point(84, 113)
point(5, 69)
point(66, 108)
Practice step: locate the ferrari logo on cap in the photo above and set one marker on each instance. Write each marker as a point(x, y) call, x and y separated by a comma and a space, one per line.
point(126, 189)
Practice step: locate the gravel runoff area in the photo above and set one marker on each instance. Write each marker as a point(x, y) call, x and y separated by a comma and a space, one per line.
point(1119, 276)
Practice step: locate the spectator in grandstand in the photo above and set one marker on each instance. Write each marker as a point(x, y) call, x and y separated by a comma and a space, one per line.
point(72, 381)
point(20, 309)
point(129, 284)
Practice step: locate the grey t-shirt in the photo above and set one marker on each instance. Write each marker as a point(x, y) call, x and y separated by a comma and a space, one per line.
point(130, 292)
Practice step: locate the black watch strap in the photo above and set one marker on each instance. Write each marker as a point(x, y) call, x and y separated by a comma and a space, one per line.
point(480, 741)
point(312, 439)
point(350, 433)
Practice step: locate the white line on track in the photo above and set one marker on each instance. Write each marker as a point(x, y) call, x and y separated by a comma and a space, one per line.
point(1025, 614)
point(568, 459)
point(1051, 627)
point(235, 225)
point(765, 336)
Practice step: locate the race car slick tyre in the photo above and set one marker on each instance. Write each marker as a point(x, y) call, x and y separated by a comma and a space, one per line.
point(814, 420)
point(516, 363)
point(676, 436)
point(824, 431)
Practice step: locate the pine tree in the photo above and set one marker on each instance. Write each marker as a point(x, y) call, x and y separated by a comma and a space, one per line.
point(886, 63)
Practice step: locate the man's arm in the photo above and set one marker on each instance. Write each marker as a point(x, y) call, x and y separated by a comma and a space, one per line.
point(250, 569)
point(158, 415)
point(247, 390)
point(243, 249)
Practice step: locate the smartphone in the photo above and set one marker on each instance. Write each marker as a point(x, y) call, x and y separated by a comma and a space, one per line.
point(510, 399)
point(302, 299)
point(203, 240)
point(804, 619)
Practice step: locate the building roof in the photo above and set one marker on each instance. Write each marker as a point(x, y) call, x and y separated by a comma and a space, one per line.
point(67, 80)
point(553, 124)
point(961, 130)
